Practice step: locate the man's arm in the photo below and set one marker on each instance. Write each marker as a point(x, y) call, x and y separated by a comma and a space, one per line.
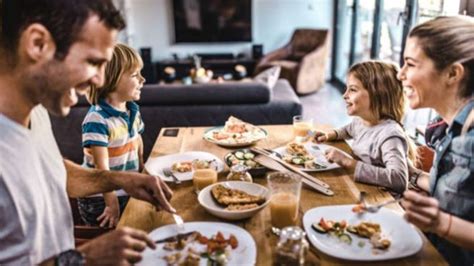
point(83, 182)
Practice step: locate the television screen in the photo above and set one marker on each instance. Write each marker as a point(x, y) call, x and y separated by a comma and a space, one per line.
point(212, 20)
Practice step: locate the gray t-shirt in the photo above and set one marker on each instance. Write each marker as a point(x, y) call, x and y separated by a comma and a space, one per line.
point(382, 150)
point(35, 216)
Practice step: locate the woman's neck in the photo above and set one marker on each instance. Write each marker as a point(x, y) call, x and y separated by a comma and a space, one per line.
point(449, 109)
point(116, 103)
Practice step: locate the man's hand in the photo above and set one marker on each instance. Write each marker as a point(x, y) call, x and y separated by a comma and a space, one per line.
point(119, 247)
point(145, 187)
point(337, 156)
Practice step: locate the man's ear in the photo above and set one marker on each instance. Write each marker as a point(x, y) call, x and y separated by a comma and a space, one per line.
point(455, 73)
point(36, 43)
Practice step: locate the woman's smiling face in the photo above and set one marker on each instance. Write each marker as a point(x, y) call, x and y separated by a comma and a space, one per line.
point(423, 83)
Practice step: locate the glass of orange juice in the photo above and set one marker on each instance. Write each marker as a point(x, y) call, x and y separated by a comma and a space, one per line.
point(301, 127)
point(285, 189)
point(203, 178)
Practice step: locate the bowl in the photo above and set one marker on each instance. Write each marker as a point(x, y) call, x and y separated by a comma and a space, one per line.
point(245, 157)
point(207, 201)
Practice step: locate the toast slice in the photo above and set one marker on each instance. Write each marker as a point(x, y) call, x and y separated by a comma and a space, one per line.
point(226, 196)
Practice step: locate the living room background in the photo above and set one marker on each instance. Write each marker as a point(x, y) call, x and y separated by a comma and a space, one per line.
point(150, 24)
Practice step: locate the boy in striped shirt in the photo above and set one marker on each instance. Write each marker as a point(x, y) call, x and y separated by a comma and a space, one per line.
point(111, 133)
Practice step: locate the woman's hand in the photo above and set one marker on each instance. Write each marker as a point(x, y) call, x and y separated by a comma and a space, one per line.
point(337, 156)
point(423, 211)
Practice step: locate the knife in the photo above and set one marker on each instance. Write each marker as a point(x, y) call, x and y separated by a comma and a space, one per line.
point(174, 238)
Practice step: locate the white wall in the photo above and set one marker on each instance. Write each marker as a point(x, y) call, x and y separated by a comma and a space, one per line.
point(150, 24)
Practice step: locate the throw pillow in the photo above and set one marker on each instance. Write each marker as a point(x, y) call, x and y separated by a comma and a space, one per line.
point(269, 76)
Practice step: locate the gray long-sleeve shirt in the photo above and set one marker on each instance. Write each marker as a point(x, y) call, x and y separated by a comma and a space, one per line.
point(382, 149)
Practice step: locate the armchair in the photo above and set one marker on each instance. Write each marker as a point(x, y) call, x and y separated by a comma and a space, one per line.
point(302, 60)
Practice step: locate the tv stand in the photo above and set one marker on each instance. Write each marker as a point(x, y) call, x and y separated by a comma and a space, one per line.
point(216, 56)
point(220, 67)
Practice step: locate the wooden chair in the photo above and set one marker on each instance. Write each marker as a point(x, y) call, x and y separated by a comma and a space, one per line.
point(82, 232)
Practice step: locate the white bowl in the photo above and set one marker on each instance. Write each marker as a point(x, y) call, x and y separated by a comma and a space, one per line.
point(206, 200)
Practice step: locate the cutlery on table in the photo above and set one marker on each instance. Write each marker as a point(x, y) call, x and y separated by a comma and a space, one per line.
point(274, 162)
point(180, 228)
point(271, 164)
point(168, 173)
point(179, 222)
point(289, 166)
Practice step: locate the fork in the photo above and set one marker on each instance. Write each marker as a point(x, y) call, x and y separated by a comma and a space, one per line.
point(376, 207)
point(168, 173)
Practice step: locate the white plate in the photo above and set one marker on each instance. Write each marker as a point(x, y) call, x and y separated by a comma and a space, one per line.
point(208, 135)
point(206, 200)
point(405, 239)
point(244, 254)
point(317, 151)
point(155, 165)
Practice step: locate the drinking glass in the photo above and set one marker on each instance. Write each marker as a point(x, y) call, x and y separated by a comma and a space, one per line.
point(203, 178)
point(301, 127)
point(285, 189)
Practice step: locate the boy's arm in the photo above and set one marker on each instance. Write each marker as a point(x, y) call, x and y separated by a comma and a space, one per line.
point(112, 211)
point(141, 162)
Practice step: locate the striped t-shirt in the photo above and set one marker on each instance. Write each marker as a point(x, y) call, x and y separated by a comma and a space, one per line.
point(118, 131)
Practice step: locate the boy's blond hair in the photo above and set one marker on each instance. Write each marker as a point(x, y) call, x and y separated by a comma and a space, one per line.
point(123, 59)
point(387, 100)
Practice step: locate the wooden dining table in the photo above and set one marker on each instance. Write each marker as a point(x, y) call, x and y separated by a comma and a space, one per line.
point(142, 215)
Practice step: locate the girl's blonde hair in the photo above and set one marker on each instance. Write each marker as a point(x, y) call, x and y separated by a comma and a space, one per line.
point(387, 100)
point(447, 40)
point(123, 59)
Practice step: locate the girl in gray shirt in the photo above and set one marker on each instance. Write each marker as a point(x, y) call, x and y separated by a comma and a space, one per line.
point(375, 97)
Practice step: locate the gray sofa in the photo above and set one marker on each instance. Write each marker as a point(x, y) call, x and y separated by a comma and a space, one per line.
point(170, 105)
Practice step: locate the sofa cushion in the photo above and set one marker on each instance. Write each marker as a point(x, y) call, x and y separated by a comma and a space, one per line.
point(232, 92)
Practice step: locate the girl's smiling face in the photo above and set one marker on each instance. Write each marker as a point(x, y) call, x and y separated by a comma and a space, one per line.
point(357, 99)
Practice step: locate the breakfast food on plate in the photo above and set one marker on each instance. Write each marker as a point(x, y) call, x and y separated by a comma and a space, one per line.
point(216, 248)
point(369, 230)
point(188, 166)
point(182, 167)
point(240, 207)
point(226, 196)
point(243, 157)
point(298, 154)
point(236, 131)
point(202, 164)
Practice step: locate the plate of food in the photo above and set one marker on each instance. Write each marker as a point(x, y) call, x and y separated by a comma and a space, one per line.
point(207, 243)
point(307, 156)
point(234, 200)
point(245, 157)
point(183, 164)
point(235, 133)
point(341, 233)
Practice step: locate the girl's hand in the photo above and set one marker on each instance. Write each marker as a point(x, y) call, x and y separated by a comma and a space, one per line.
point(423, 211)
point(320, 136)
point(337, 156)
point(109, 218)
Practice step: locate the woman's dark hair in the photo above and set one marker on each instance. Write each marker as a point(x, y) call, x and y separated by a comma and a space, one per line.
point(64, 19)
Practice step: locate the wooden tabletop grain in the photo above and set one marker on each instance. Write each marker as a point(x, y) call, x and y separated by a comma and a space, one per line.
point(141, 215)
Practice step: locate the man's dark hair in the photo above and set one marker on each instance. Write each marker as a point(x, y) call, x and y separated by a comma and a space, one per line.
point(63, 18)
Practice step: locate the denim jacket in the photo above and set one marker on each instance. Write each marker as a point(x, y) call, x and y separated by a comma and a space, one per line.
point(452, 182)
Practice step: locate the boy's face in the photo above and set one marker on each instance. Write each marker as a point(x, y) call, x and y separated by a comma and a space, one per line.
point(56, 82)
point(129, 85)
point(357, 99)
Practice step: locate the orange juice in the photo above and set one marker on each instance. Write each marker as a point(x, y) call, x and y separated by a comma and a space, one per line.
point(283, 209)
point(301, 129)
point(203, 178)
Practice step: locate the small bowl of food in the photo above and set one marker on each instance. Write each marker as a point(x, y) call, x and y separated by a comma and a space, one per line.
point(234, 200)
point(245, 157)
